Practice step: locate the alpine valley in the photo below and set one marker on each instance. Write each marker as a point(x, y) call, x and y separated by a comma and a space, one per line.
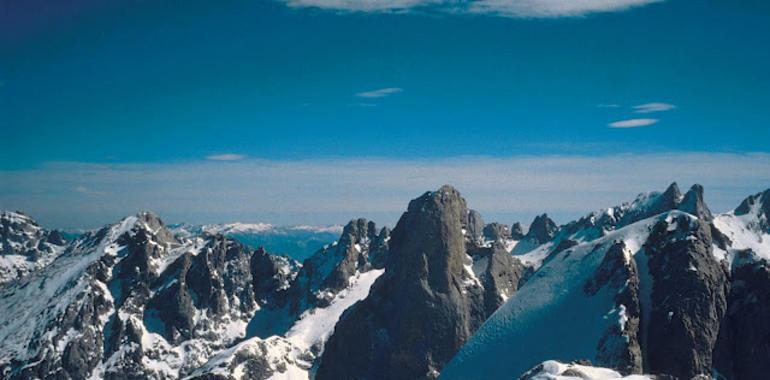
point(656, 288)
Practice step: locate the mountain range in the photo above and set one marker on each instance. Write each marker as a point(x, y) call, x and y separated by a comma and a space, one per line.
point(656, 288)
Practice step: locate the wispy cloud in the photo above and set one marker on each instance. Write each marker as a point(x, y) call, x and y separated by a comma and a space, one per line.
point(632, 123)
point(380, 93)
point(507, 8)
point(331, 191)
point(608, 105)
point(653, 107)
point(84, 190)
point(226, 157)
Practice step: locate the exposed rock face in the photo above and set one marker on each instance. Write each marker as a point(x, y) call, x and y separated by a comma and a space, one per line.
point(500, 274)
point(497, 232)
point(517, 231)
point(743, 349)
point(619, 347)
point(689, 298)
point(647, 205)
point(542, 229)
point(424, 307)
point(360, 248)
point(475, 226)
point(694, 204)
point(24, 246)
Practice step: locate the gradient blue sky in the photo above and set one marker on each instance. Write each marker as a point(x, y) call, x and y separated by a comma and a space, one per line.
point(150, 84)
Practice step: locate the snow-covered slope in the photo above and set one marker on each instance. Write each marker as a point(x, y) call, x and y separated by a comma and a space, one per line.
point(134, 301)
point(612, 287)
point(290, 356)
point(747, 227)
point(25, 247)
point(552, 316)
point(554, 370)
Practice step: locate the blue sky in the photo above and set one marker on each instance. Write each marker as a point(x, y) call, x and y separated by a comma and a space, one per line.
point(197, 83)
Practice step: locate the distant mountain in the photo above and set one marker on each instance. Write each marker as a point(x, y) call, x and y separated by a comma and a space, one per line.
point(298, 242)
point(659, 285)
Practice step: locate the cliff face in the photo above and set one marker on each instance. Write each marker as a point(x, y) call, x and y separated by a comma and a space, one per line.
point(425, 306)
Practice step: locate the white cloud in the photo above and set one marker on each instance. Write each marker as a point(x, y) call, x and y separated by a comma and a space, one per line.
point(361, 5)
point(84, 190)
point(379, 93)
point(653, 107)
point(508, 8)
point(553, 8)
point(332, 191)
point(225, 157)
point(632, 123)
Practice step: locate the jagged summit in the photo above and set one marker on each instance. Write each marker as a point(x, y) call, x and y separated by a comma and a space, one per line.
point(757, 204)
point(633, 282)
point(25, 247)
point(428, 302)
point(517, 231)
point(542, 229)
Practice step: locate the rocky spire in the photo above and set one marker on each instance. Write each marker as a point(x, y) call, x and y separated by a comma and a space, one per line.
point(688, 300)
point(693, 203)
point(542, 229)
point(419, 313)
point(475, 226)
point(517, 231)
point(359, 249)
point(497, 232)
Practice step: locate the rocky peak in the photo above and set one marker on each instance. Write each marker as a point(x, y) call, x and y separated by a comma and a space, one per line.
point(542, 229)
point(694, 204)
point(425, 305)
point(27, 246)
point(688, 300)
point(429, 238)
point(758, 203)
point(359, 249)
point(517, 231)
point(497, 232)
point(475, 226)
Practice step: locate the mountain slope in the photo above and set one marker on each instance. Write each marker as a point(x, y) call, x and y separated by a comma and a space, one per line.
point(25, 247)
point(638, 288)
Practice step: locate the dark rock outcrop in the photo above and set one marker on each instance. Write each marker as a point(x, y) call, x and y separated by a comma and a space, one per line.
point(689, 298)
point(422, 309)
point(517, 231)
point(360, 248)
point(743, 348)
point(475, 226)
point(619, 347)
point(694, 204)
point(542, 229)
point(497, 232)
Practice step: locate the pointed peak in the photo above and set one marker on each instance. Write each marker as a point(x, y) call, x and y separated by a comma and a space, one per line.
point(672, 193)
point(694, 204)
point(757, 203)
point(542, 229)
point(517, 231)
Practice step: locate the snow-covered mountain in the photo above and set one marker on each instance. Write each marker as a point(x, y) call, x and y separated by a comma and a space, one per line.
point(659, 285)
point(133, 300)
point(25, 246)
